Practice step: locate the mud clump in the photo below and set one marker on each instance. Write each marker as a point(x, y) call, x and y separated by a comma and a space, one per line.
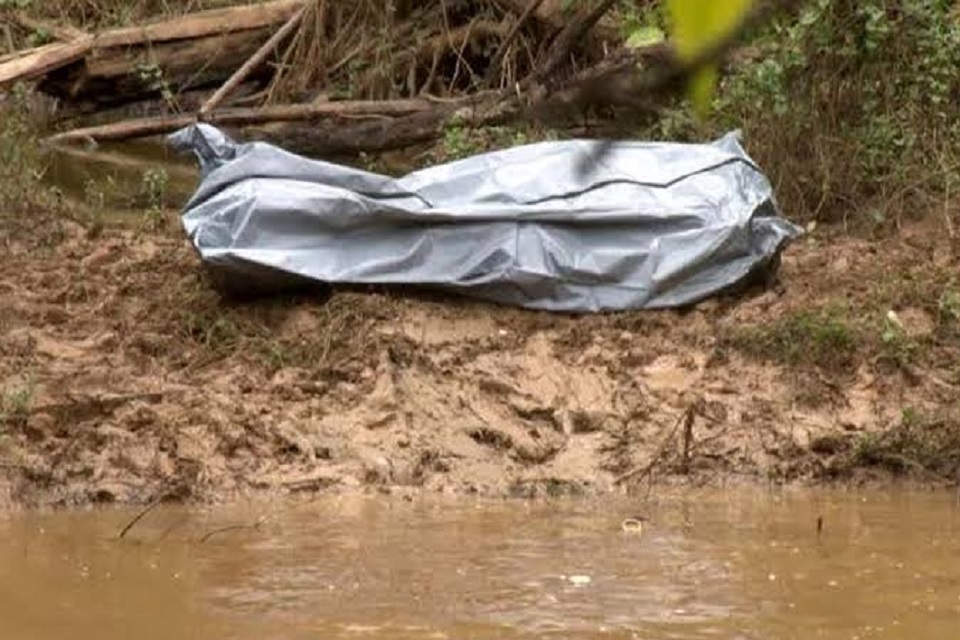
point(125, 377)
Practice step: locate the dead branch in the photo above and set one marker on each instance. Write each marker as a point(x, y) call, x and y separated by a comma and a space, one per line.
point(549, 13)
point(457, 38)
point(483, 109)
point(233, 527)
point(643, 471)
point(571, 35)
point(494, 69)
point(618, 82)
point(254, 61)
point(140, 515)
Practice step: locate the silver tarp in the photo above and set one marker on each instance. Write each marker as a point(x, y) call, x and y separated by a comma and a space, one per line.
point(650, 225)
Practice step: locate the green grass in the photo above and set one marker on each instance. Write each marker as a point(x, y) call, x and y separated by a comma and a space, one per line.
point(15, 405)
point(828, 339)
point(924, 443)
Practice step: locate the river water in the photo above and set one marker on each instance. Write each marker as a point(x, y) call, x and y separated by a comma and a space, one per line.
point(744, 564)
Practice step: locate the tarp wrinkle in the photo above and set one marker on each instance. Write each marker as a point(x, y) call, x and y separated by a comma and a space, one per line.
point(655, 225)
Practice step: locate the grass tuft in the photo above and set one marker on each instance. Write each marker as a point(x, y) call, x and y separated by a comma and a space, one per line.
point(826, 339)
point(922, 443)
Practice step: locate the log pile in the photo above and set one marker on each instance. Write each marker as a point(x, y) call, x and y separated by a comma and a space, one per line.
point(331, 76)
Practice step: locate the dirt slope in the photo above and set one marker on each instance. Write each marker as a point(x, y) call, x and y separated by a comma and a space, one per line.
point(125, 379)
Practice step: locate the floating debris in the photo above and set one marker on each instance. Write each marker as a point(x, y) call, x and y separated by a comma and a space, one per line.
point(633, 526)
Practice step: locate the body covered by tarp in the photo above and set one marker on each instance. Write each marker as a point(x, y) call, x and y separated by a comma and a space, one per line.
point(651, 225)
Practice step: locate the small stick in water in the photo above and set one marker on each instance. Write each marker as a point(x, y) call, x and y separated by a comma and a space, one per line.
point(233, 527)
point(819, 526)
point(150, 507)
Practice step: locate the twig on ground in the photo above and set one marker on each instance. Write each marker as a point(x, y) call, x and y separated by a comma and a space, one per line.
point(685, 418)
point(688, 420)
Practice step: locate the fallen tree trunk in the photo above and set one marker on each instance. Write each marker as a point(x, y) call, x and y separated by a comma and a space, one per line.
point(147, 127)
point(130, 63)
point(36, 62)
point(202, 23)
point(69, 115)
point(115, 76)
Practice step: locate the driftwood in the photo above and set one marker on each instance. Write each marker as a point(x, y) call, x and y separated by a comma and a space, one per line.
point(203, 23)
point(593, 89)
point(115, 76)
point(191, 49)
point(41, 60)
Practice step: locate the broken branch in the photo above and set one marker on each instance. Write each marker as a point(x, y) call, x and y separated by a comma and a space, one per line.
point(253, 62)
point(497, 60)
point(573, 33)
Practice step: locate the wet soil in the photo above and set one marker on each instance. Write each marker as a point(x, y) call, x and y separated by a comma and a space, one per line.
point(127, 379)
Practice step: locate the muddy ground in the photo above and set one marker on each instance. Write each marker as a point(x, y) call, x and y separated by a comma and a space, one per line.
point(125, 378)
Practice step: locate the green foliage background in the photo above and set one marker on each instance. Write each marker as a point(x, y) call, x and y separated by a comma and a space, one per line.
point(849, 106)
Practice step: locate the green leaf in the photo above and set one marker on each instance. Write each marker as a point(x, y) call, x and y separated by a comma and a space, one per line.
point(644, 37)
point(698, 25)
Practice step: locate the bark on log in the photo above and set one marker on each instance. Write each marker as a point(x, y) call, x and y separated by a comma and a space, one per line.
point(202, 23)
point(115, 75)
point(87, 114)
point(192, 50)
point(36, 62)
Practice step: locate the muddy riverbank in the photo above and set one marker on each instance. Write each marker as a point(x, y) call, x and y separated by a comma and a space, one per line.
point(126, 379)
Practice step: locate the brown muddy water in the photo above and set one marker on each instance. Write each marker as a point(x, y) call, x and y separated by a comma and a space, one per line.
point(123, 176)
point(707, 565)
